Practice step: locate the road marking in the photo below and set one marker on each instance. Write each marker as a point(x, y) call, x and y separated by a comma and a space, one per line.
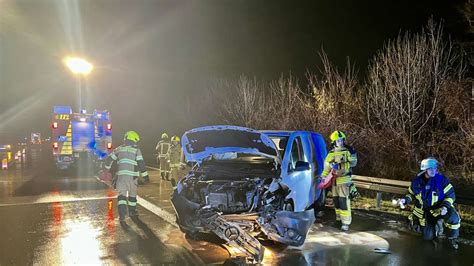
point(53, 199)
point(163, 214)
point(154, 168)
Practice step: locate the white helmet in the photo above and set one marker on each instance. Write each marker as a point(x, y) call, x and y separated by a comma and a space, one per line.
point(428, 163)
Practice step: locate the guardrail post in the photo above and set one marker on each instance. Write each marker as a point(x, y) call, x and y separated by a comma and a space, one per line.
point(379, 199)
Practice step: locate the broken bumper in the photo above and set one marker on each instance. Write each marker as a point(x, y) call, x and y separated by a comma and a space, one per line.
point(289, 227)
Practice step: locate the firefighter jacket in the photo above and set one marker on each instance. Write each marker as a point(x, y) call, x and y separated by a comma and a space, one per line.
point(129, 161)
point(430, 194)
point(345, 158)
point(175, 155)
point(163, 149)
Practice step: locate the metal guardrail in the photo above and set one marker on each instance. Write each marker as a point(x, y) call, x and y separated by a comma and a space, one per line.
point(396, 187)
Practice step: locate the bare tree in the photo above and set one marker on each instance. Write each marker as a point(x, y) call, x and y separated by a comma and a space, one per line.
point(404, 85)
point(244, 103)
point(335, 101)
point(282, 104)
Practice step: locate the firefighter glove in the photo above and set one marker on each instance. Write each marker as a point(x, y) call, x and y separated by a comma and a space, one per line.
point(444, 211)
point(353, 193)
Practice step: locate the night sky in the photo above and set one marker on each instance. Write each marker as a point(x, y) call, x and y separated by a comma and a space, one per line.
point(149, 54)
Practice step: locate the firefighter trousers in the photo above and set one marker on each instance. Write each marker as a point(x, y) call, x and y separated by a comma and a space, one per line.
point(127, 187)
point(342, 203)
point(451, 222)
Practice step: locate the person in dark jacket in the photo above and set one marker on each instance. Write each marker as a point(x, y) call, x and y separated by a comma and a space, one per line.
point(433, 197)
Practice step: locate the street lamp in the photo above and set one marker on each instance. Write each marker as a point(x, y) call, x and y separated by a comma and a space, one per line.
point(79, 67)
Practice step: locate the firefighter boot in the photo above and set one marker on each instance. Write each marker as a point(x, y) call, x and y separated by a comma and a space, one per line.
point(454, 243)
point(439, 229)
point(345, 227)
point(122, 210)
point(132, 207)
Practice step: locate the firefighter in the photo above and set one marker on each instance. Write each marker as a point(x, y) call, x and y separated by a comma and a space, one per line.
point(342, 158)
point(176, 155)
point(130, 164)
point(433, 197)
point(163, 156)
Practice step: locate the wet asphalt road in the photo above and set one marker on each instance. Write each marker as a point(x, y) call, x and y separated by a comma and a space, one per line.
point(51, 218)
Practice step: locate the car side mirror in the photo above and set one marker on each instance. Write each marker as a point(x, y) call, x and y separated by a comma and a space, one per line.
point(301, 166)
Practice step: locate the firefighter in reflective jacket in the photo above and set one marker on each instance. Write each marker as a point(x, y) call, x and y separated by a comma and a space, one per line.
point(433, 197)
point(163, 156)
point(130, 164)
point(176, 156)
point(341, 158)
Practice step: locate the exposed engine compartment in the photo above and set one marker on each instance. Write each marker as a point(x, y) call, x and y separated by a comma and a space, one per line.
point(229, 196)
point(238, 209)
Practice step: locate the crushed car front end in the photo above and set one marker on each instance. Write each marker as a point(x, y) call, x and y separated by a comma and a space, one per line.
point(235, 191)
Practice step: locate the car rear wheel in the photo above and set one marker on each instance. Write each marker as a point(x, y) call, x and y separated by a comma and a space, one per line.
point(288, 206)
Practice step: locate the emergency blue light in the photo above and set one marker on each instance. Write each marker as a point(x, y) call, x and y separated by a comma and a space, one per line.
point(62, 109)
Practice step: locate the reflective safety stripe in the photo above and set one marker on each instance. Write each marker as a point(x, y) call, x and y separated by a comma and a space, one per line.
point(435, 212)
point(345, 213)
point(128, 161)
point(434, 198)
point(122, 202)
point(338, 214)
point(447, 188)
point(452, 226)
point(132, 203)
point(422, 222)
point(113, 156)
point(410, 190)
point(450, 200)
point(418, 197)
point(127, 149)
point(145, 173)
point(418, 212)
point(139, 158)
point(127, 172)
point(343, 180)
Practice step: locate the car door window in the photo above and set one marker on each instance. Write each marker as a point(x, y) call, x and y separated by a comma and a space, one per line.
point(296, 153)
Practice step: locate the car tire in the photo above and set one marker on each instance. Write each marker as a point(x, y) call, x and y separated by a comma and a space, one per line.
point(288, 206)
point(321, 201)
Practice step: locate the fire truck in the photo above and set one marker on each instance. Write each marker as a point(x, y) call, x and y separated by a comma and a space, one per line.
point(80, 136)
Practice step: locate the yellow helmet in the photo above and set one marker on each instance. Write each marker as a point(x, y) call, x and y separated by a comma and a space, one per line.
point(164, 136)
point(175, 138)
point(132, 136)
point(337, 135)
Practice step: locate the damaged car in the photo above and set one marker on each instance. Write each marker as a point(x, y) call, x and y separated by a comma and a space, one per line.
point(237, 191)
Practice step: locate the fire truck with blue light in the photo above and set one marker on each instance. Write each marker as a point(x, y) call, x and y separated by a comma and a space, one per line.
point(80, 136)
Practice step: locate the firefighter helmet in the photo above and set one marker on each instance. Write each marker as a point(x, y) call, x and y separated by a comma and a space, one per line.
point(175, 138)
point(132, 136)
point(428, 163)
point(337, 135)
point(164, 135)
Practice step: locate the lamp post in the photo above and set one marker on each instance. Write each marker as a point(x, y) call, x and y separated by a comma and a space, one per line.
point(80, 67)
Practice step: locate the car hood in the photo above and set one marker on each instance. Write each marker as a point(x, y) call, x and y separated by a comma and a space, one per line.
point(201, 143)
